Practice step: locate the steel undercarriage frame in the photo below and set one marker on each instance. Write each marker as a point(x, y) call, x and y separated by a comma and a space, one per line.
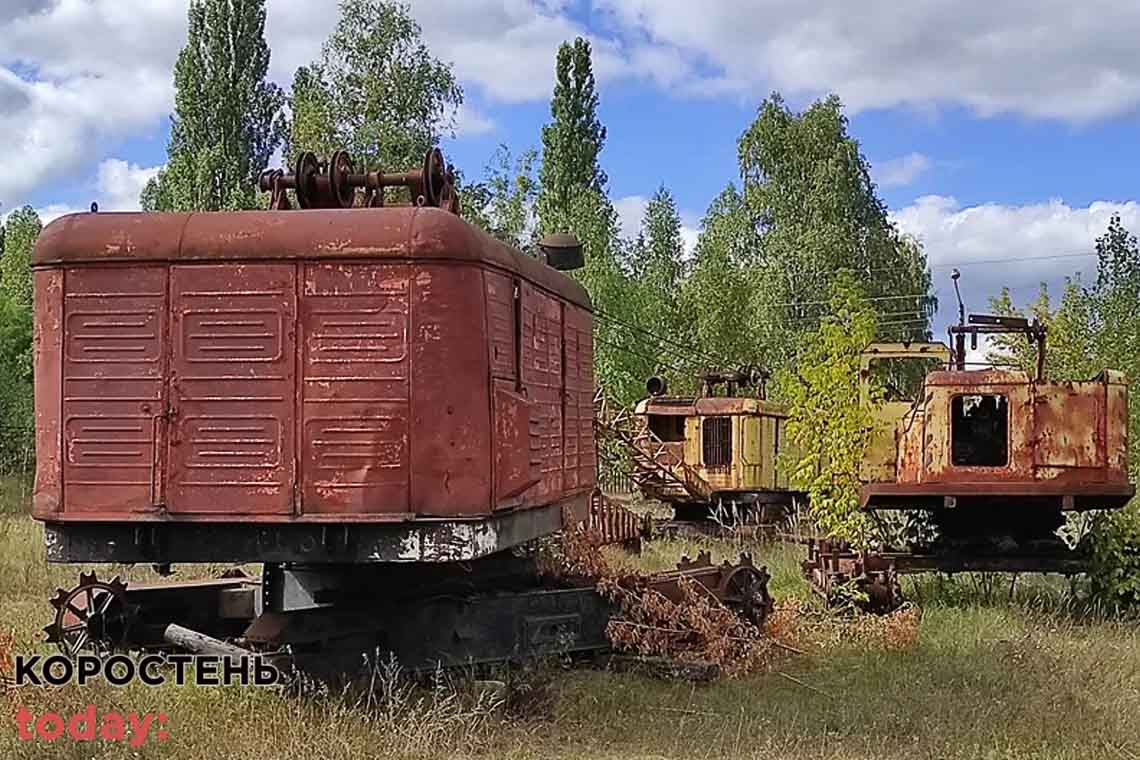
point(330, 617)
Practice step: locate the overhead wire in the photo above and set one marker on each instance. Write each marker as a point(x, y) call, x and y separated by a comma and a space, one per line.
point(692, 351)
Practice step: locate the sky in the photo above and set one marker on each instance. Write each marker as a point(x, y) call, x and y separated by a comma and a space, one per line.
point(1002, 135)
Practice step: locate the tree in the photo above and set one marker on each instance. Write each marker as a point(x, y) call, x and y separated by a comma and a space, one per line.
point(503, 203)
point(717, 296)
point(227, 120)
point(16, 264)
point(619, 359)
point(656, 268)
point(376, 91)
point(572, 198)
point(808, 189)
point(572, 140)
point(17, 418)
point(829, 427)
point(17, 415)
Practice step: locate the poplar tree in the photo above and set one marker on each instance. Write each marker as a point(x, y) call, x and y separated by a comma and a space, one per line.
point(573, 139)
point(657, 268)
point(572, 198)
point(228, 119)
point(16, 262)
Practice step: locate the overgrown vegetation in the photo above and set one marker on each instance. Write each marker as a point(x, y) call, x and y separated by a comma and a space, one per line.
point(831, 422)
point(17, 416)
point(1096, 327)
point(976, 675)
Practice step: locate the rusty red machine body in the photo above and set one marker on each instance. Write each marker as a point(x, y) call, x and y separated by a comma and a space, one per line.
point(366, 384)
point(357, 389)
point(985, 464)
point(999, 438)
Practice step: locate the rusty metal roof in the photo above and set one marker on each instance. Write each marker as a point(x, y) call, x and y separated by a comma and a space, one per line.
point(392, 233)
point(708, 406)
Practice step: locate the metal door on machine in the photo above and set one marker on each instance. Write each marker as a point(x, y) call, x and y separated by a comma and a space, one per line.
point(232, 408)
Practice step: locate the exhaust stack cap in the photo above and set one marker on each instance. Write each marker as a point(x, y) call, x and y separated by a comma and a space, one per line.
point(655, 385)
point(563, 251)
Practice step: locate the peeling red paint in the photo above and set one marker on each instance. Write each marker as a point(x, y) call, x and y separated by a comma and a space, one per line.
point(305, 366)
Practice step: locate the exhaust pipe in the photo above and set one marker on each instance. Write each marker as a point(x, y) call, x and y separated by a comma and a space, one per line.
point(655, 385)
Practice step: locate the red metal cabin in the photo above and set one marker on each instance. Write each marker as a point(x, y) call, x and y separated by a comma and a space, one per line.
point(368, 384)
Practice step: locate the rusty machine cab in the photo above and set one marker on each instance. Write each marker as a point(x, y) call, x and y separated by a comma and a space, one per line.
point(357, 380)
point(900, 400)
point(713, 448)
point(1002, 446)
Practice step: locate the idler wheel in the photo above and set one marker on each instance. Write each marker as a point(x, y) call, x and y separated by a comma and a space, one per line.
point(306, 172)
point(340, 167)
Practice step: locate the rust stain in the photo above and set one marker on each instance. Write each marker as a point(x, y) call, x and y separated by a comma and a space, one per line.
point(319, 365)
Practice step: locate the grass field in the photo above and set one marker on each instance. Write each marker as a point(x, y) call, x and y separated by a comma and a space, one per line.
point(990, 675)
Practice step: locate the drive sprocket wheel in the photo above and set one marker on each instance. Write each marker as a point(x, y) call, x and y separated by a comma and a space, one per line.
point(744, 588)
point(94, 616)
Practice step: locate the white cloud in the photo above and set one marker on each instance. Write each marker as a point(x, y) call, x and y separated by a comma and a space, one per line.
point(470, 122)
point(1038, 58)
point(117, 188)
point(120, 184)
point(76, 75)
point(996, 245)
point(902, 171)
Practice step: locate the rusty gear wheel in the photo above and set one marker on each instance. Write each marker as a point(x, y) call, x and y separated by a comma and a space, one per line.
point(94, 616)
point(744, 588)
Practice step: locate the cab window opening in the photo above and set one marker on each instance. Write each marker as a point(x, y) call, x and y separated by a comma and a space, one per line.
point(669, 428)
point(979, 431)
point(716, 435)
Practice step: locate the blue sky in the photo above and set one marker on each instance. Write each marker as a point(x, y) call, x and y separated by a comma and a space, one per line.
point(995, 131)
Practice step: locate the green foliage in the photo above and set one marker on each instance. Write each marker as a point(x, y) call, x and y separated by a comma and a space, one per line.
point(828, 427)
point(572, 198)
point(809, 192)
point(717, 296)
point(228, 119)
point(17, 416)
point(656, 268)
point(503, 203)
point(376, 91)
point(1115, 543)
point(616, 368)
point(572, 140)
point(1095, 327)
point(16, 263)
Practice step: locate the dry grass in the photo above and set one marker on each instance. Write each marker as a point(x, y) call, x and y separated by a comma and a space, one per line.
point(972, 676)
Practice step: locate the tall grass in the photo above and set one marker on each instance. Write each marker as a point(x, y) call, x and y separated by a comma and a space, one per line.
point(15, 493)
point(988, 676)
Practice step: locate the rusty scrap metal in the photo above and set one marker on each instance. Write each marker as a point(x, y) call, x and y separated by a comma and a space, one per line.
point(741, 586)
point(610, 523)
point(334, 183)
point(990, 324)
point(839, 573)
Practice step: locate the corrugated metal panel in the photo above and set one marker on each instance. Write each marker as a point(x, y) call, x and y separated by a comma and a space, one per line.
point(113, 336)
point(232, 389)
point(578, 436)
point(354, 360)
point(501, 324)
point(542, 379)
